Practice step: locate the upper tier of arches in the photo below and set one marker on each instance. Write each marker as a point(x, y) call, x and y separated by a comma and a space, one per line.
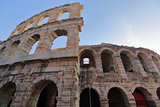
point(54, 14)
point(112, 58)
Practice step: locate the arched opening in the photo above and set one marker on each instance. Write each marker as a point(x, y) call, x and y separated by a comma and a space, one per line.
point(107, 61)
point(7, 94)
point(60, 40)
point(44, 20)
point(126, 63)
point(89, 98)
point(13, 48)
point(32, 43)
point(34, 47)
point(64, 16)
point(87, 59)
point(155, 60)
point(2, 49)
point(44, 94)
point(59, 43)
point(158, 93)
point(143, 98)
point(143, 60)
point(117, 98)
point(29, 25)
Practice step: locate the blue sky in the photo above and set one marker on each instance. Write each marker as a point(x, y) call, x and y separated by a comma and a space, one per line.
point(123, 22)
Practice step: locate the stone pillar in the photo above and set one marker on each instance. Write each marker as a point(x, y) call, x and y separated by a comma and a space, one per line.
point(104, 102)
point(53, 17)
point(139, 67)
point(131, 100)
point(45, 43)
point(17, 101)
point(120, 67)
point(35, 23)
point(98, 63)
point(157, 101)
point(68, 95)
point(73, 37)
point(76, 11)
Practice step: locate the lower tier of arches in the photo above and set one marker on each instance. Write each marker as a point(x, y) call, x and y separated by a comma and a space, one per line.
point(49, 92)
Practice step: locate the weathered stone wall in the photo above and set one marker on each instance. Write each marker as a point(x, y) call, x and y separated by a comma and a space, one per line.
point(63, 74)
point(125, 82)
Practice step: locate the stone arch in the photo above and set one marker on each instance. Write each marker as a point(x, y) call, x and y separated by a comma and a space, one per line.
point(116, 96)
point(87, 54)
point(2, 49)
point(62, 13)
point(107, 58)
point(7, 92)
point(89, 98)
point(28, 25)
point(31, 41)
point(158, 92)
point(43, 94)
point(143, 97)
point(57, 34)
point(127, 58)
point(144, 59)
point(43, 18)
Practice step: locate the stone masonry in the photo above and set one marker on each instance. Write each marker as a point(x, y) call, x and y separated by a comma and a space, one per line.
point(58, 78)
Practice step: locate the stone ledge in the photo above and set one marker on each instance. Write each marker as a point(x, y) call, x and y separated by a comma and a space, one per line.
point(68, 53)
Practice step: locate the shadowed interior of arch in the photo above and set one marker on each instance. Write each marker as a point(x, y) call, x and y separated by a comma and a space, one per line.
point(116, 97)
point(107, 61)
point(44, 94)
point(158, 93)
point(87, 59)
point(144, 65)
point(126, 63)
point(6, 94)
point(2, 49)
point(89, 98)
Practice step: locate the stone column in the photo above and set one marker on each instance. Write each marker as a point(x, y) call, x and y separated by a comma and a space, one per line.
point(73, 37)
point(104, 102)
point(98, 63)
point(35, 23)
point(131, 100)
point(53, 17)
point(45, 43)
point(68, 95)
point(120, 67)
point(157, 101)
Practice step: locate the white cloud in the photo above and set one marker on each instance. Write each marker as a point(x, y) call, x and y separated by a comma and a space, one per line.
point(147, 38)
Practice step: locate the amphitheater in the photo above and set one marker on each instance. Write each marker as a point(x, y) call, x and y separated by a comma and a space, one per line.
point(102, 75)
